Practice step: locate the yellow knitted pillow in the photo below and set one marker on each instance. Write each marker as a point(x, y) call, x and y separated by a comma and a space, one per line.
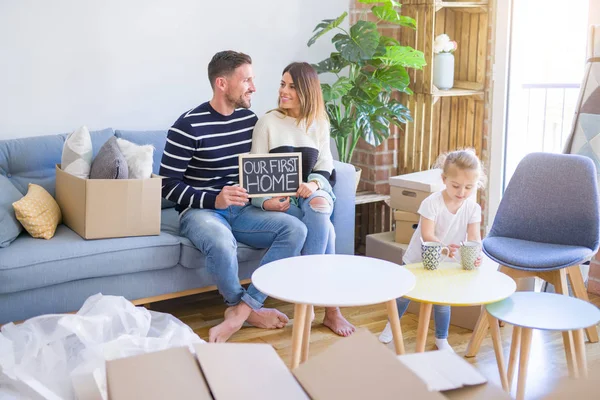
point(38, 212)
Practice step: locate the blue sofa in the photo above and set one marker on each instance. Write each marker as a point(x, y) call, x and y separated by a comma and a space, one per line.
point(53, 276)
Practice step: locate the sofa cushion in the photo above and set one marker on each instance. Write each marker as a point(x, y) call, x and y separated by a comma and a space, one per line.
point(191, 257)
point(31, 160)
point(29, 263)
point(10, 228)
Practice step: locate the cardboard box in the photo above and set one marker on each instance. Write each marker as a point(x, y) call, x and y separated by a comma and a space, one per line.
point(406, 224)
point(109, 208)
point(383, 246)
point(409, 190)
point(228, 371)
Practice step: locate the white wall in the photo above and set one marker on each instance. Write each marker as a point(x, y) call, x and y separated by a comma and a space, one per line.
point(139, 64)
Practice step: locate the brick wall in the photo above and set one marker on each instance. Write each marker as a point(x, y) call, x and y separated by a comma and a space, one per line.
point(377, 163)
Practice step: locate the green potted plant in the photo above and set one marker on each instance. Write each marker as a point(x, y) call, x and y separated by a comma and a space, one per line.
point(369, 68)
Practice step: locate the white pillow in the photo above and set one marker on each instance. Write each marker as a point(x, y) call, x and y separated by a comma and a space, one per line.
point(77, 153)
point(139, 158)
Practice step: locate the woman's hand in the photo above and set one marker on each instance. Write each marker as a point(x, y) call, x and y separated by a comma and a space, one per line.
point(306, 189)
point(277, 204)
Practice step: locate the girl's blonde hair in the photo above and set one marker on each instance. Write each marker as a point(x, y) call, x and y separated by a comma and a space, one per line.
point(464, 159)
point(308, 88)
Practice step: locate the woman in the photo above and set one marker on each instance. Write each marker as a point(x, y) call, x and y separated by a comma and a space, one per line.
point(300, 124)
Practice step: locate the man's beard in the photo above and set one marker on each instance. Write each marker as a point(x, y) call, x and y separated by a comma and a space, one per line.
point(240, 102)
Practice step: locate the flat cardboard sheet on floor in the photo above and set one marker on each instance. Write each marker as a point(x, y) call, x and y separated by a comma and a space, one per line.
point(353, 368)
point(167, 374)
point(247, 371)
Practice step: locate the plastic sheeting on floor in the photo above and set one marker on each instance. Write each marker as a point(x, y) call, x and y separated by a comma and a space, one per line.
point(63, 356)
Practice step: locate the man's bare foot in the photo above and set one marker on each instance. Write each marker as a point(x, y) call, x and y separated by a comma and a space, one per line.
point(335, 321)
point(234, 319)
point(268, 318)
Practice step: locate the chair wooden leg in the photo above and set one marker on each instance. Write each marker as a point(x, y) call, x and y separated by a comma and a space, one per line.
point(479, 333)
point(424, 317)
point(297, 333)
point(580, 352)
point(394, 319)
point(523, 362)
point(574, 274)
point(497, 340)
point(306, 335)
point(514, 354)
point(559, 280)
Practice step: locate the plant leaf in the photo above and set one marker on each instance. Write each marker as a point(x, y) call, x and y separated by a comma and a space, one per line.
point(392, 78)
point(338, 89)
point(407, 22)
point(361, 44)
point(334, 64)
point(325, 26)
point(403, 55)
point(386, 13)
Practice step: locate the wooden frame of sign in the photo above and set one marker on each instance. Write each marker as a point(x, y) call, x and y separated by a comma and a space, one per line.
point(259, 162)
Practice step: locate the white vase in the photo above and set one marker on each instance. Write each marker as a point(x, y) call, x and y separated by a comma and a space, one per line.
point(443, 71)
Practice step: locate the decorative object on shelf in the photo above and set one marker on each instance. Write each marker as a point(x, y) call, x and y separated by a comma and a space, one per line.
point(369, 67)
point(443, 62)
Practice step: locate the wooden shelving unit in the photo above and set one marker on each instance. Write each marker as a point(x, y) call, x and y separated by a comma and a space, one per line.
point(445, 119)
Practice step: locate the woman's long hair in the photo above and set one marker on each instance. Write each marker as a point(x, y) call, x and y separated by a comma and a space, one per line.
point(308, 89)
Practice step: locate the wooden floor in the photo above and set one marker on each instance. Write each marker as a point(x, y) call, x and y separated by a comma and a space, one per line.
point(547, 361)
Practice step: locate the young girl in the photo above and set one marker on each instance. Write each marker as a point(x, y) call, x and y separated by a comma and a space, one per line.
point(450, 217)
point(300, 124)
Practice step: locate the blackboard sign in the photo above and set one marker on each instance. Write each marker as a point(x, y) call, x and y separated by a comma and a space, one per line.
point(277, 174)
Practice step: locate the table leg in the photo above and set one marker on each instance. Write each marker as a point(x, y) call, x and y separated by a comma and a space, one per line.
point(478, 335)
point(514, 354)
point(306, 335)
point(523, 362)
point(495, 328)
point(394, 318)
point(570, 354)
point(580, 352)
point(297, 333)
point(424, 317)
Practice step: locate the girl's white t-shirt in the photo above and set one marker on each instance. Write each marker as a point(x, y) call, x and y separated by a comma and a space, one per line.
point(449, 228)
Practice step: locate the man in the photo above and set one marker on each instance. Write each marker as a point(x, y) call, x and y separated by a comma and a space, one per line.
point(200, 163)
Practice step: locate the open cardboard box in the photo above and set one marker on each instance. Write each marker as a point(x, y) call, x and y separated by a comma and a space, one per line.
point(109, 208)
point(354, 368)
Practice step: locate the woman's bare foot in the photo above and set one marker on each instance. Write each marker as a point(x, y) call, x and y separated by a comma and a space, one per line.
point(335, 321)
point(268, 318)
point(234, 319)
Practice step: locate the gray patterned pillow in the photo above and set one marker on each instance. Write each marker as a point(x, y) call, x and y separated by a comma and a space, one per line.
point(110, 162)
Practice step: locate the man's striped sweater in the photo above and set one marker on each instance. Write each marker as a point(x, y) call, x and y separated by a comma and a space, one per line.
point(201, 155)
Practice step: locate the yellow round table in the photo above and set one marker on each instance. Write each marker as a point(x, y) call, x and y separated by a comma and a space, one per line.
point(451, 285)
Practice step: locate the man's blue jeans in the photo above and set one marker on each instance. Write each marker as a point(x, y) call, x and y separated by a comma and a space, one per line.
point(320, 238)
point(216, 233)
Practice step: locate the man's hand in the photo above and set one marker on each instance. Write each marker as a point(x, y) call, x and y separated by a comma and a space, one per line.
point(231, 196)
point(306, 189)
point(277, 204)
